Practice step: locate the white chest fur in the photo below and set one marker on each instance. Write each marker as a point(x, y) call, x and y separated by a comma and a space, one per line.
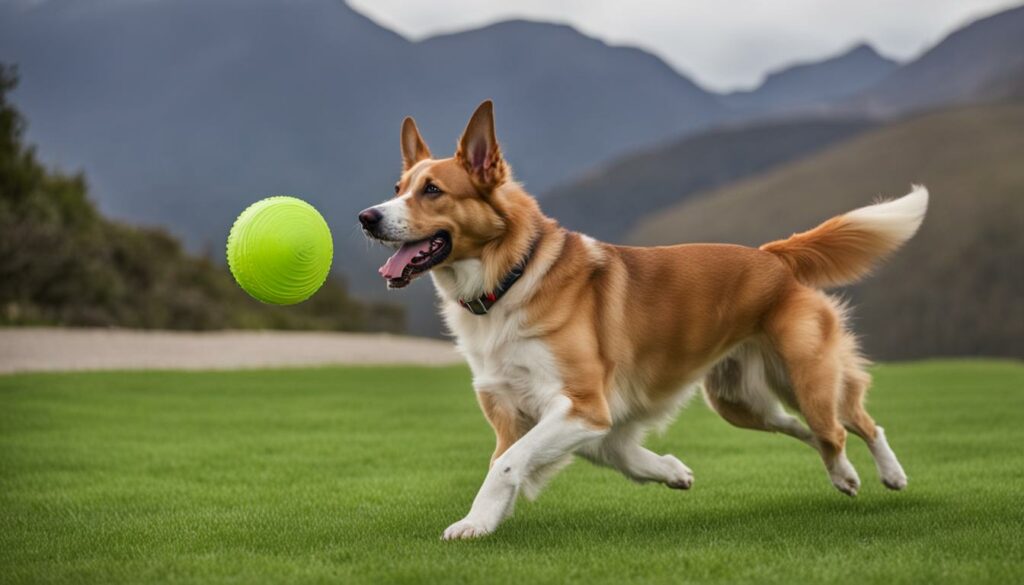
point(505, 358)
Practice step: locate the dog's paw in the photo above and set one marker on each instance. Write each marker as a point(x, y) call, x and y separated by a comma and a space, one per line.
point(465, 529)
point(678, 476)
point(847, 485)
point(844, 477)
point(889, 468)
point(895, 479)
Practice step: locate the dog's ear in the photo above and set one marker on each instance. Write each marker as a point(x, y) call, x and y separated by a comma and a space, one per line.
point(479, 151)
point(413, 148)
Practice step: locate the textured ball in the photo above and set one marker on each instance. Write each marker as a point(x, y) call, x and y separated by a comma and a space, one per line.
point(280, 250)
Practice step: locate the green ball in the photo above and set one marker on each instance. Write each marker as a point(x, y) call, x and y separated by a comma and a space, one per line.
point(280, 250)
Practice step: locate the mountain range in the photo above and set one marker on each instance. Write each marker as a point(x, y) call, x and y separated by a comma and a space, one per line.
point(981, 61)
point(181, 112)
point(805, 86)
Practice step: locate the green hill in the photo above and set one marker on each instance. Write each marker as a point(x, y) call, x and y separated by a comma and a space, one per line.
point(957, 287)
point(63, 263)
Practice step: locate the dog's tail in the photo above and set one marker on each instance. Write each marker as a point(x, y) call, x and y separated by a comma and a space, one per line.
point(845, 248)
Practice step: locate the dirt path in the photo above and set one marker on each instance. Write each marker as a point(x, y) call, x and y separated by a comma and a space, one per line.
point(44, 349)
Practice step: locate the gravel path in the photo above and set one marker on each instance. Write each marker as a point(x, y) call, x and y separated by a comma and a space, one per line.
point(45, 349)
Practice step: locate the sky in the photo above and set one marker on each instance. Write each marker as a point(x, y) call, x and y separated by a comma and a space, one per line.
point(723, 45)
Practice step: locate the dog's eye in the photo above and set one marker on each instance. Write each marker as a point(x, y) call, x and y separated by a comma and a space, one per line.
point(431, 189)
point(396, 188)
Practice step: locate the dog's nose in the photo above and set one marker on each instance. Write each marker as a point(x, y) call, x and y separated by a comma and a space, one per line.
point(370, 217)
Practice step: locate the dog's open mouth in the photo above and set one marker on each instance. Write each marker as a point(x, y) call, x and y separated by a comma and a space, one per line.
point(415, 258)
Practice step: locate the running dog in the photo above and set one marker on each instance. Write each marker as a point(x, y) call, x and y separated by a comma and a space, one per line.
point(580, 347)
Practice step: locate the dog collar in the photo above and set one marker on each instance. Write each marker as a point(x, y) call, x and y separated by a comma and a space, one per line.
point(482, 304)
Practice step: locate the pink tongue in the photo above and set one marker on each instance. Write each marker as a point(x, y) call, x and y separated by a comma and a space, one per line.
point(396, 264)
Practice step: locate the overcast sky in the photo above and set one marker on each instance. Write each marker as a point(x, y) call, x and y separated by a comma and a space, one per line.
point(724, 44)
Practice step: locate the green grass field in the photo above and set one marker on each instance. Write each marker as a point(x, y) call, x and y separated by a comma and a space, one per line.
point(348, 475)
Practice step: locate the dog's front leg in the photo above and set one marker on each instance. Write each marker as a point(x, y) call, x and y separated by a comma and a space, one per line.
point(558, 433)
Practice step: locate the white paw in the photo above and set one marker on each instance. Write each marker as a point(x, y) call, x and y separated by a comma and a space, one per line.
point(844, 477)
point(894, 478)
point(889, 467)
point(677, 475)
point(465, 529)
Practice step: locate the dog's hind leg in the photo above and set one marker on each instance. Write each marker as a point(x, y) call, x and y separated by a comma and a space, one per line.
point(622, 449)
point(739, 389)
point(806, 331)
point(856, 420)
point(773, 419)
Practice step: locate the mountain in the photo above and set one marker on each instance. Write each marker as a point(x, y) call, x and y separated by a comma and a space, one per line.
point(815, 104)
point(982, 61)
point(975, 63)
point(809, 85)
point(564, 101)
point(182, 112)
point(955, 289)
point(606, 202)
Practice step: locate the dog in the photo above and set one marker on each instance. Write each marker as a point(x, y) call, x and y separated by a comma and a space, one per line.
point(581, 347)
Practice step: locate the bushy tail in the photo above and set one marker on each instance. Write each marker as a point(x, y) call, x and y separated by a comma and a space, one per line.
point(845, 248)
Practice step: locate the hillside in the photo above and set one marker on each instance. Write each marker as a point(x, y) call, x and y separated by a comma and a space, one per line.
point(184, 111)
point(63, 263)
point(606, 202)
point(956, 288)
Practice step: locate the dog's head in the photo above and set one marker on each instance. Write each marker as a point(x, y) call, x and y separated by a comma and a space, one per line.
point(444, 210)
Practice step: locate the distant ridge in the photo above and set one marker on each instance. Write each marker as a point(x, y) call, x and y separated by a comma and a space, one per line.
point(973, 64)
point(811, 85)
point(606, 202)
point(181, 112)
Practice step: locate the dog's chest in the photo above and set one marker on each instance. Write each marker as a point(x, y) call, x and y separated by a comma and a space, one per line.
point(506, 360)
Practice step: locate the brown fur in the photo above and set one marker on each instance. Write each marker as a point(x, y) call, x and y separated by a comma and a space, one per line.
point(659, 317)
point(508, 423)
point(835, 253)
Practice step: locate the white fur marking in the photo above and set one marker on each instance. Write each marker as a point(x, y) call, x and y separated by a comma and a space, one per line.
point(555, 436)
point(462, 279)
point(594, 250)
point(844, 476)
point(897, 219)
point(889, 468)
point(395, 218)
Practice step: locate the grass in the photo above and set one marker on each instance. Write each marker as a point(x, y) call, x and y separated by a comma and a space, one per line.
point(350, 474)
